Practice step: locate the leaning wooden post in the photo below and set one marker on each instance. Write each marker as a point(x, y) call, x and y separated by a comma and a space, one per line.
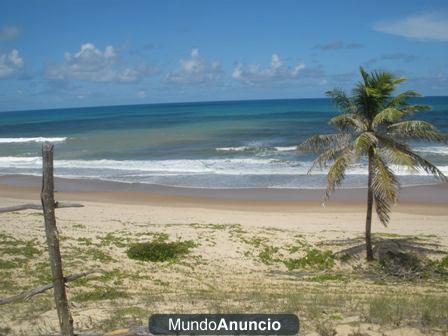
point(51, 231)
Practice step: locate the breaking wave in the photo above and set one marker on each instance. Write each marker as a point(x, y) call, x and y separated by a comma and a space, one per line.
point(255, 148)
point(36, 139)
point(255, 166)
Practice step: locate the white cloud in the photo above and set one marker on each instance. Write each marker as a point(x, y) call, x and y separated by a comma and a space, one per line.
point(10, 63)
point(195, 70)
point(93, 65)
point(142, 94)
point(252, 73)
point(9, 32)
point(427, 26)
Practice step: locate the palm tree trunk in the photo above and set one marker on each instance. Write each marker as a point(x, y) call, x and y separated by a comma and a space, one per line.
point(369, 249)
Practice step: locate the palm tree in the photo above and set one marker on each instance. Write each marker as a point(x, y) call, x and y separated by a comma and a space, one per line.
point(373, 125)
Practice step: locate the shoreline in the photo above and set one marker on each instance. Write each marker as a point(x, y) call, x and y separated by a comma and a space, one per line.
point(28, 187)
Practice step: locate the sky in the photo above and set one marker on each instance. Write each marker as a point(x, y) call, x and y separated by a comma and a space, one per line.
point(56, 54)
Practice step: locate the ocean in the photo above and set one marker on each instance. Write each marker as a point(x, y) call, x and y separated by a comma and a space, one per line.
point(240, 144)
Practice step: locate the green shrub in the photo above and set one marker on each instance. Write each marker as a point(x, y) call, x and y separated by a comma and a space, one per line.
point(442, 264)
point(267, 254)
point(314, 258)
point(158, 251)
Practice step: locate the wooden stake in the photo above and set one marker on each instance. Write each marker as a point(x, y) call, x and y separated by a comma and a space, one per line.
point(48, 206)
point(30, 206)
point(27, 295)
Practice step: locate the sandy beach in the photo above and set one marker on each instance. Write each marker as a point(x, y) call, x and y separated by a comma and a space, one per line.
point(236, 264)
point(420, 208)
point(223, 158)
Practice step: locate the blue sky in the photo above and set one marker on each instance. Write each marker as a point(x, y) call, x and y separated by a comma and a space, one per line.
point(84, 53)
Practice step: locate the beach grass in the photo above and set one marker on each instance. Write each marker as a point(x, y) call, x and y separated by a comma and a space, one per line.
point(266, 271)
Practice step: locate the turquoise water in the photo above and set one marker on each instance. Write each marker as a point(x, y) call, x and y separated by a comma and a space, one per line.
point(210, 145)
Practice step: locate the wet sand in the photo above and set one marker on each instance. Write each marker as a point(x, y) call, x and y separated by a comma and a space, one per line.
point(22, 186)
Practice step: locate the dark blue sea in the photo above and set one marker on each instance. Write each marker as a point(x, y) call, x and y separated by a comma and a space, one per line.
point(206, 145)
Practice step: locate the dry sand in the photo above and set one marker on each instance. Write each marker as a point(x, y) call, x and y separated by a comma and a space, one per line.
point(234, 268)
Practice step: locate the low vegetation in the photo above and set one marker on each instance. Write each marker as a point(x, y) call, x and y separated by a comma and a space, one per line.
point(159, 251)
point(99, 294)
point(313, 258)
point(224, 269)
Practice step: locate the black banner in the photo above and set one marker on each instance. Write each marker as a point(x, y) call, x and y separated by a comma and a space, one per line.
point(224, 324)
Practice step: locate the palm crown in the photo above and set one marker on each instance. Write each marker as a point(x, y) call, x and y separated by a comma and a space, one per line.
point(373, 124)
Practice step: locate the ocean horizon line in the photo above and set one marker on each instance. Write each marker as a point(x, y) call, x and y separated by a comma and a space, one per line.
point(198, 102)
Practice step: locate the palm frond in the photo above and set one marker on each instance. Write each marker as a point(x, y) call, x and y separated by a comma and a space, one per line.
point(410, 109)
point(398, 157)
point(385, 188)
point(336, 173)
point(394, 114)
point(349, 122)
point(364, 142)
point(417, 129)
point(327, 156)
point(398, 80)
point(417, 162)
point(400, 99)
point(364, 74)
point(388, 115)
point(341, 100)
point(384, 82)
point(427, 166)
point(373, 93)
point(319, 143)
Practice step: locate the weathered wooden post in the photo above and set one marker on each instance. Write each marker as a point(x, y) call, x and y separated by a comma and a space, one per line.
point(51, 231)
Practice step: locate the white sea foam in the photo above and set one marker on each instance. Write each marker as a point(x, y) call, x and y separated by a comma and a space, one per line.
point(255, 148)
point(233, 149)
point(37, 139)
point(397, 170)
point(255, 166)
point(224, 166)
point(443, 150)
point(286, 149)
